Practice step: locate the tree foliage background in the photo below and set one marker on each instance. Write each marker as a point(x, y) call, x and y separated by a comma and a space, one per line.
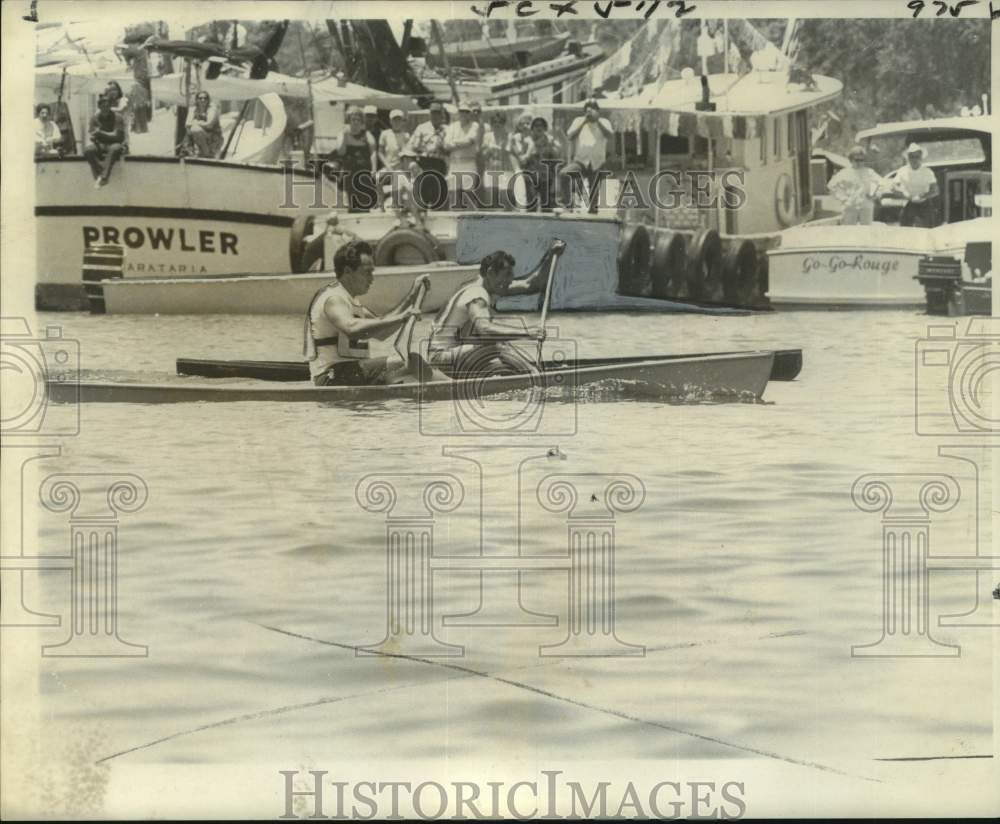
point(898, 69)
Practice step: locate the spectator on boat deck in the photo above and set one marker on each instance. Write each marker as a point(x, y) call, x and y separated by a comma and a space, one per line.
point(589, 135)
point(497, 164)
point(462, 141)
point(119, 102)
point(391, 142)
point(485, 134)
point(48, 138)
point(356, 155)
point(919, 186)
point(497, 145)
point(427, 146)
point(372, 126)
point(856, 187)
point(403, 184)
point(519, 139)
point(465, 338)
point(540, 160)
point(204, 132)
point(107, 141)
point(338, 327)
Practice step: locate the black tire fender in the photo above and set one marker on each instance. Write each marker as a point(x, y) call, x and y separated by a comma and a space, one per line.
point(302, 227)
point(669, 270)
point(704, 273)
point(740, 268)
point(633, 260)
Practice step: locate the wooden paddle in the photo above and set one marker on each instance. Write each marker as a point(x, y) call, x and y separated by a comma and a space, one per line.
point(558, 247)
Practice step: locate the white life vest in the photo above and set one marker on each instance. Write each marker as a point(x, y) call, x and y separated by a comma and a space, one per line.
point(452, 323)
point(325, 345)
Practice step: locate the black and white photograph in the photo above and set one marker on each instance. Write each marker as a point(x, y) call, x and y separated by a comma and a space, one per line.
point(498, 409)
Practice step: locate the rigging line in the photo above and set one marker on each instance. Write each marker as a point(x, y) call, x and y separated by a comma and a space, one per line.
point(580, 704)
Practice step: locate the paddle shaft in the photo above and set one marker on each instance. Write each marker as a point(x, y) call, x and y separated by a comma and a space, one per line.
point(556, 254)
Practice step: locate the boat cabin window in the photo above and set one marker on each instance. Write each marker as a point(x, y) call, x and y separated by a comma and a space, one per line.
point(776, 125)
point(885, 153)
point(790, 129)
point(557, 93)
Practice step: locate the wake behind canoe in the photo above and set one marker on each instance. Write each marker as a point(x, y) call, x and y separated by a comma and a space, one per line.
point(787, 365)
point(737, 376)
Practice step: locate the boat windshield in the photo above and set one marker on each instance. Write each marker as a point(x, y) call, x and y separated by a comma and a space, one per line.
point(885, 153)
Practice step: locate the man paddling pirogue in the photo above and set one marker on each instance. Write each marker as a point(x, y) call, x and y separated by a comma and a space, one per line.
point(338, 327)
point(466, 341)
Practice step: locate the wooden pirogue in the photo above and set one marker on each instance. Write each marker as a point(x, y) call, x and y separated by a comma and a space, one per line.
point(787, 365)
point(734, 376)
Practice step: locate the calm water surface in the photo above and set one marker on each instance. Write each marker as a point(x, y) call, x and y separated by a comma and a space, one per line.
point(747, 573)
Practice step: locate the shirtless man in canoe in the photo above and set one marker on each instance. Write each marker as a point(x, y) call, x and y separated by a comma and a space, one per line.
point(338, 328)
point(467, 340)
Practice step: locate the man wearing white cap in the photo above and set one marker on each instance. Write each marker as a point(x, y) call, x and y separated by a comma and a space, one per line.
point(919, 186)
point(390, 143)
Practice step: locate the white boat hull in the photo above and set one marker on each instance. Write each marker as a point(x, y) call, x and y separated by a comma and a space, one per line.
point(176, 218)
point(272, 294)
point(857, 266)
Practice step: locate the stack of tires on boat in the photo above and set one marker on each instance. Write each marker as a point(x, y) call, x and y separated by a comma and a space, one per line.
point(697, 266)
point(401, 246)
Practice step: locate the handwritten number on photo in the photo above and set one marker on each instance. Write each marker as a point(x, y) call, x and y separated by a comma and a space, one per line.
point(954, 9)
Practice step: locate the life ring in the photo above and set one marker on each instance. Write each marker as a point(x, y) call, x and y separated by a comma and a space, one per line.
point(739, 273)
point(669, 265)
point(784, 200)
point(704, 270)
point(302, 227)
point(404, 246)
point(633, 260)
